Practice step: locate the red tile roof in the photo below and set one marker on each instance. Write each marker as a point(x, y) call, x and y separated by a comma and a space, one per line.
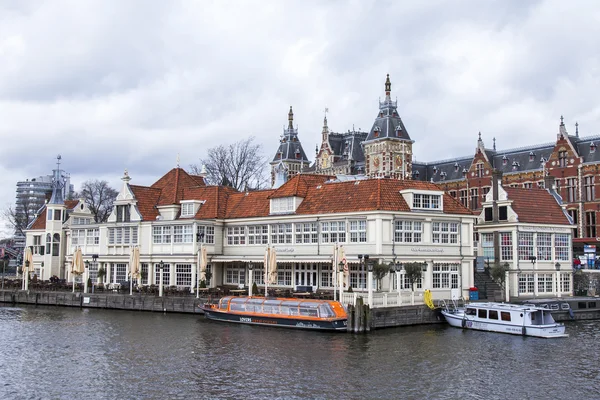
point(147, 199)
point(299, 185)
point(250, 204)
point(536, 206)
point(40, 221)
point(173, 183)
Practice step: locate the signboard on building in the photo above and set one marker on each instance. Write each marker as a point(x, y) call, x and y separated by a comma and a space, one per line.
point(589, 248)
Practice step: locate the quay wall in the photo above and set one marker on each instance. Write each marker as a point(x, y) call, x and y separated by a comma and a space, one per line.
point(378, 318)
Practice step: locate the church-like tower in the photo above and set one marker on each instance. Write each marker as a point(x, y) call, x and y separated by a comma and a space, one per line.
point(290, 158)
point(388, 147)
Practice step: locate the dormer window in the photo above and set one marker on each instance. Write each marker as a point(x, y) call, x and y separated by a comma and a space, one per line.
point(504, 160)
point(283, 205)
point(592, 147)
point(464, 172)
point(443, 175)
point(426, 201)
point(376, 132)
point(123, 214)
point(416, 174)
point(279, 154)
point(456, 167)
point(515, 165)
point(190, 208)
point(542, 160)
point(399, 131)
point(531, 156)
point(435, 170)
point(297, 152)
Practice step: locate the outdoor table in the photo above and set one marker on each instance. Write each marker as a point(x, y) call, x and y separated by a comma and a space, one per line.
point(238, 291)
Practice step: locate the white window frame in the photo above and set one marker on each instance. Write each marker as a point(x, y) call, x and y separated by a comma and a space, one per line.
point(306, 232)
point(281, 233)
point(333, 232)
point(258, 234)
point(236, 235)
point(444, 232)
point(358, 231)
point(408, 231)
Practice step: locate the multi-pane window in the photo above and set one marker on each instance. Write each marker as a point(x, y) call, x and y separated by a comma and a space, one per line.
point(444, 232)
point(166, 274)
point(487, 245)
point(565, 282)
point(545, 283)
point(161, 234)
point(48, 243)
point(526, 283)
point(55, 244)
point(235, 276)
point(144, 274)
point(463, 197)
point(562, 158)
point(281, 233)
point(405, 283)
point(408, 231)
point(183, 234)
point(525, 248)
point(183, 274)
point(236, 235)
point(93, 271)
point(484, 192)
point(333, 232)
point(92, 236)
point(78, 237)
point(590, 224)
point(123, 235)
point(258, 234)
point(589, 190)
point(123, 214)
point(445, 276)
point(528, 185)
point(474, 198)
point(258, 276)
point(120, 273)
point(38, 247)
point(326, 275)
point(207, 233)
point(187, 209)
point(284, 274)
point(506, 246)
point(306, 232)
point(479, 170)
point(544, 246)
point(358, 231)
point(561, 247)
point(571, 190)
point(282, 205)
point(358, 276)
point(426, 201)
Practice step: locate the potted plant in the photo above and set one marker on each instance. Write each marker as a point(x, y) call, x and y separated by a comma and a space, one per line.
point(202, 283)
point(208, 275)
point(101, 274)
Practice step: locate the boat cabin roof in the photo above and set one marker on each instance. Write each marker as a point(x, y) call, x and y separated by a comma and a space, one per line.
point(507, 307)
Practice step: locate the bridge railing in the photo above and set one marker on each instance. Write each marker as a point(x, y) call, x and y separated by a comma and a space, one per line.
point(383, 299)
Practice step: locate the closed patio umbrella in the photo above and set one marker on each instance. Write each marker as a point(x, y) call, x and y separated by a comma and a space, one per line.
point(273, 267)
point(134, 267)
point(27, 267)
point(77, 266)
point(266, 262)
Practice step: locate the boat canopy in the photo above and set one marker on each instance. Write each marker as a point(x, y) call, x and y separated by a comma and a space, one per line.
point(308, 308)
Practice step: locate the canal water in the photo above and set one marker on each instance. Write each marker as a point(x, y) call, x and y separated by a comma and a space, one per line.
point(66, 353)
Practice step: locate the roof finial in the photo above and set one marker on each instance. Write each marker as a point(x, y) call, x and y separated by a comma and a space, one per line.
point(494, 144)
point(58, 158)
point(325, 119)
point(291, 119)
point(577, 129)
point(388, 85)
point(479, 136)
point(562, 123)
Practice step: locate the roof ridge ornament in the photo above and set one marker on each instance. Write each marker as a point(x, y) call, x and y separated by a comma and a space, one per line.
point(291, 119)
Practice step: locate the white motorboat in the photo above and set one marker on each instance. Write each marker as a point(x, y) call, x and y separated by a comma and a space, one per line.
point(516, 319)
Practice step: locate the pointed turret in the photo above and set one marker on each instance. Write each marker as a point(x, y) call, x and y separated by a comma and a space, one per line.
point(57, 185)
point(394, 159)
point(290, 151)
point(562, 130)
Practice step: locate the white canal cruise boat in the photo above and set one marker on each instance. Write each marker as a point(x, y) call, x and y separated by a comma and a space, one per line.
point(505, 318)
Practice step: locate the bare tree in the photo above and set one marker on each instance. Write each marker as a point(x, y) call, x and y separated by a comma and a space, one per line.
point(18, 217)
point(240, 165)
point(99, 198)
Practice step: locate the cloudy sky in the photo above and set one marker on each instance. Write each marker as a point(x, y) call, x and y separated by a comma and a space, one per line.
point(113, 85)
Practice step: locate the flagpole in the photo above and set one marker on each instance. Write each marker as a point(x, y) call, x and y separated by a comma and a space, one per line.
point(335, 263)
point(268, 256)
point(198, 256)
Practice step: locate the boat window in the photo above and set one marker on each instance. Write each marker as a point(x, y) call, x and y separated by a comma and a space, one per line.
point(592, 304)
point(565, 306)
point(554, 306)
point(582, 304)
point(533, 315)
point(493, 314)
point(325, 311)
point(253, 307)
point(482, 313)
point(256, 301)
point(285, 310)
point(505, 315)
point(224, 303)
point(293, 310)
point(308, 312)
point(238, 300)
point(237, 306)
point(471, 311)
point(291, 303)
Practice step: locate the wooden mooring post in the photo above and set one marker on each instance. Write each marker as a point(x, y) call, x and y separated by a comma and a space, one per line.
point(359, 317)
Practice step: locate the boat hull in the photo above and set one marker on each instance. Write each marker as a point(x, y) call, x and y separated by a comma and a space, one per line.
point(337, 324)
point(458, 320)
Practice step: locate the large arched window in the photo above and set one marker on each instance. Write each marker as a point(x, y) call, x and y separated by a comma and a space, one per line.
point(56, 244)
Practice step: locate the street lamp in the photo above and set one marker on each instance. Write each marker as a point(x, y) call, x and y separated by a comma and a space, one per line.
point(161, 265)
point(370, 281)
point(251, 280)
point(535, 277)
point(86, 275)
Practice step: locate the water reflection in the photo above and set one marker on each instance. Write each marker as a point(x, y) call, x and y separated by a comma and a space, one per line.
point(73, 353)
